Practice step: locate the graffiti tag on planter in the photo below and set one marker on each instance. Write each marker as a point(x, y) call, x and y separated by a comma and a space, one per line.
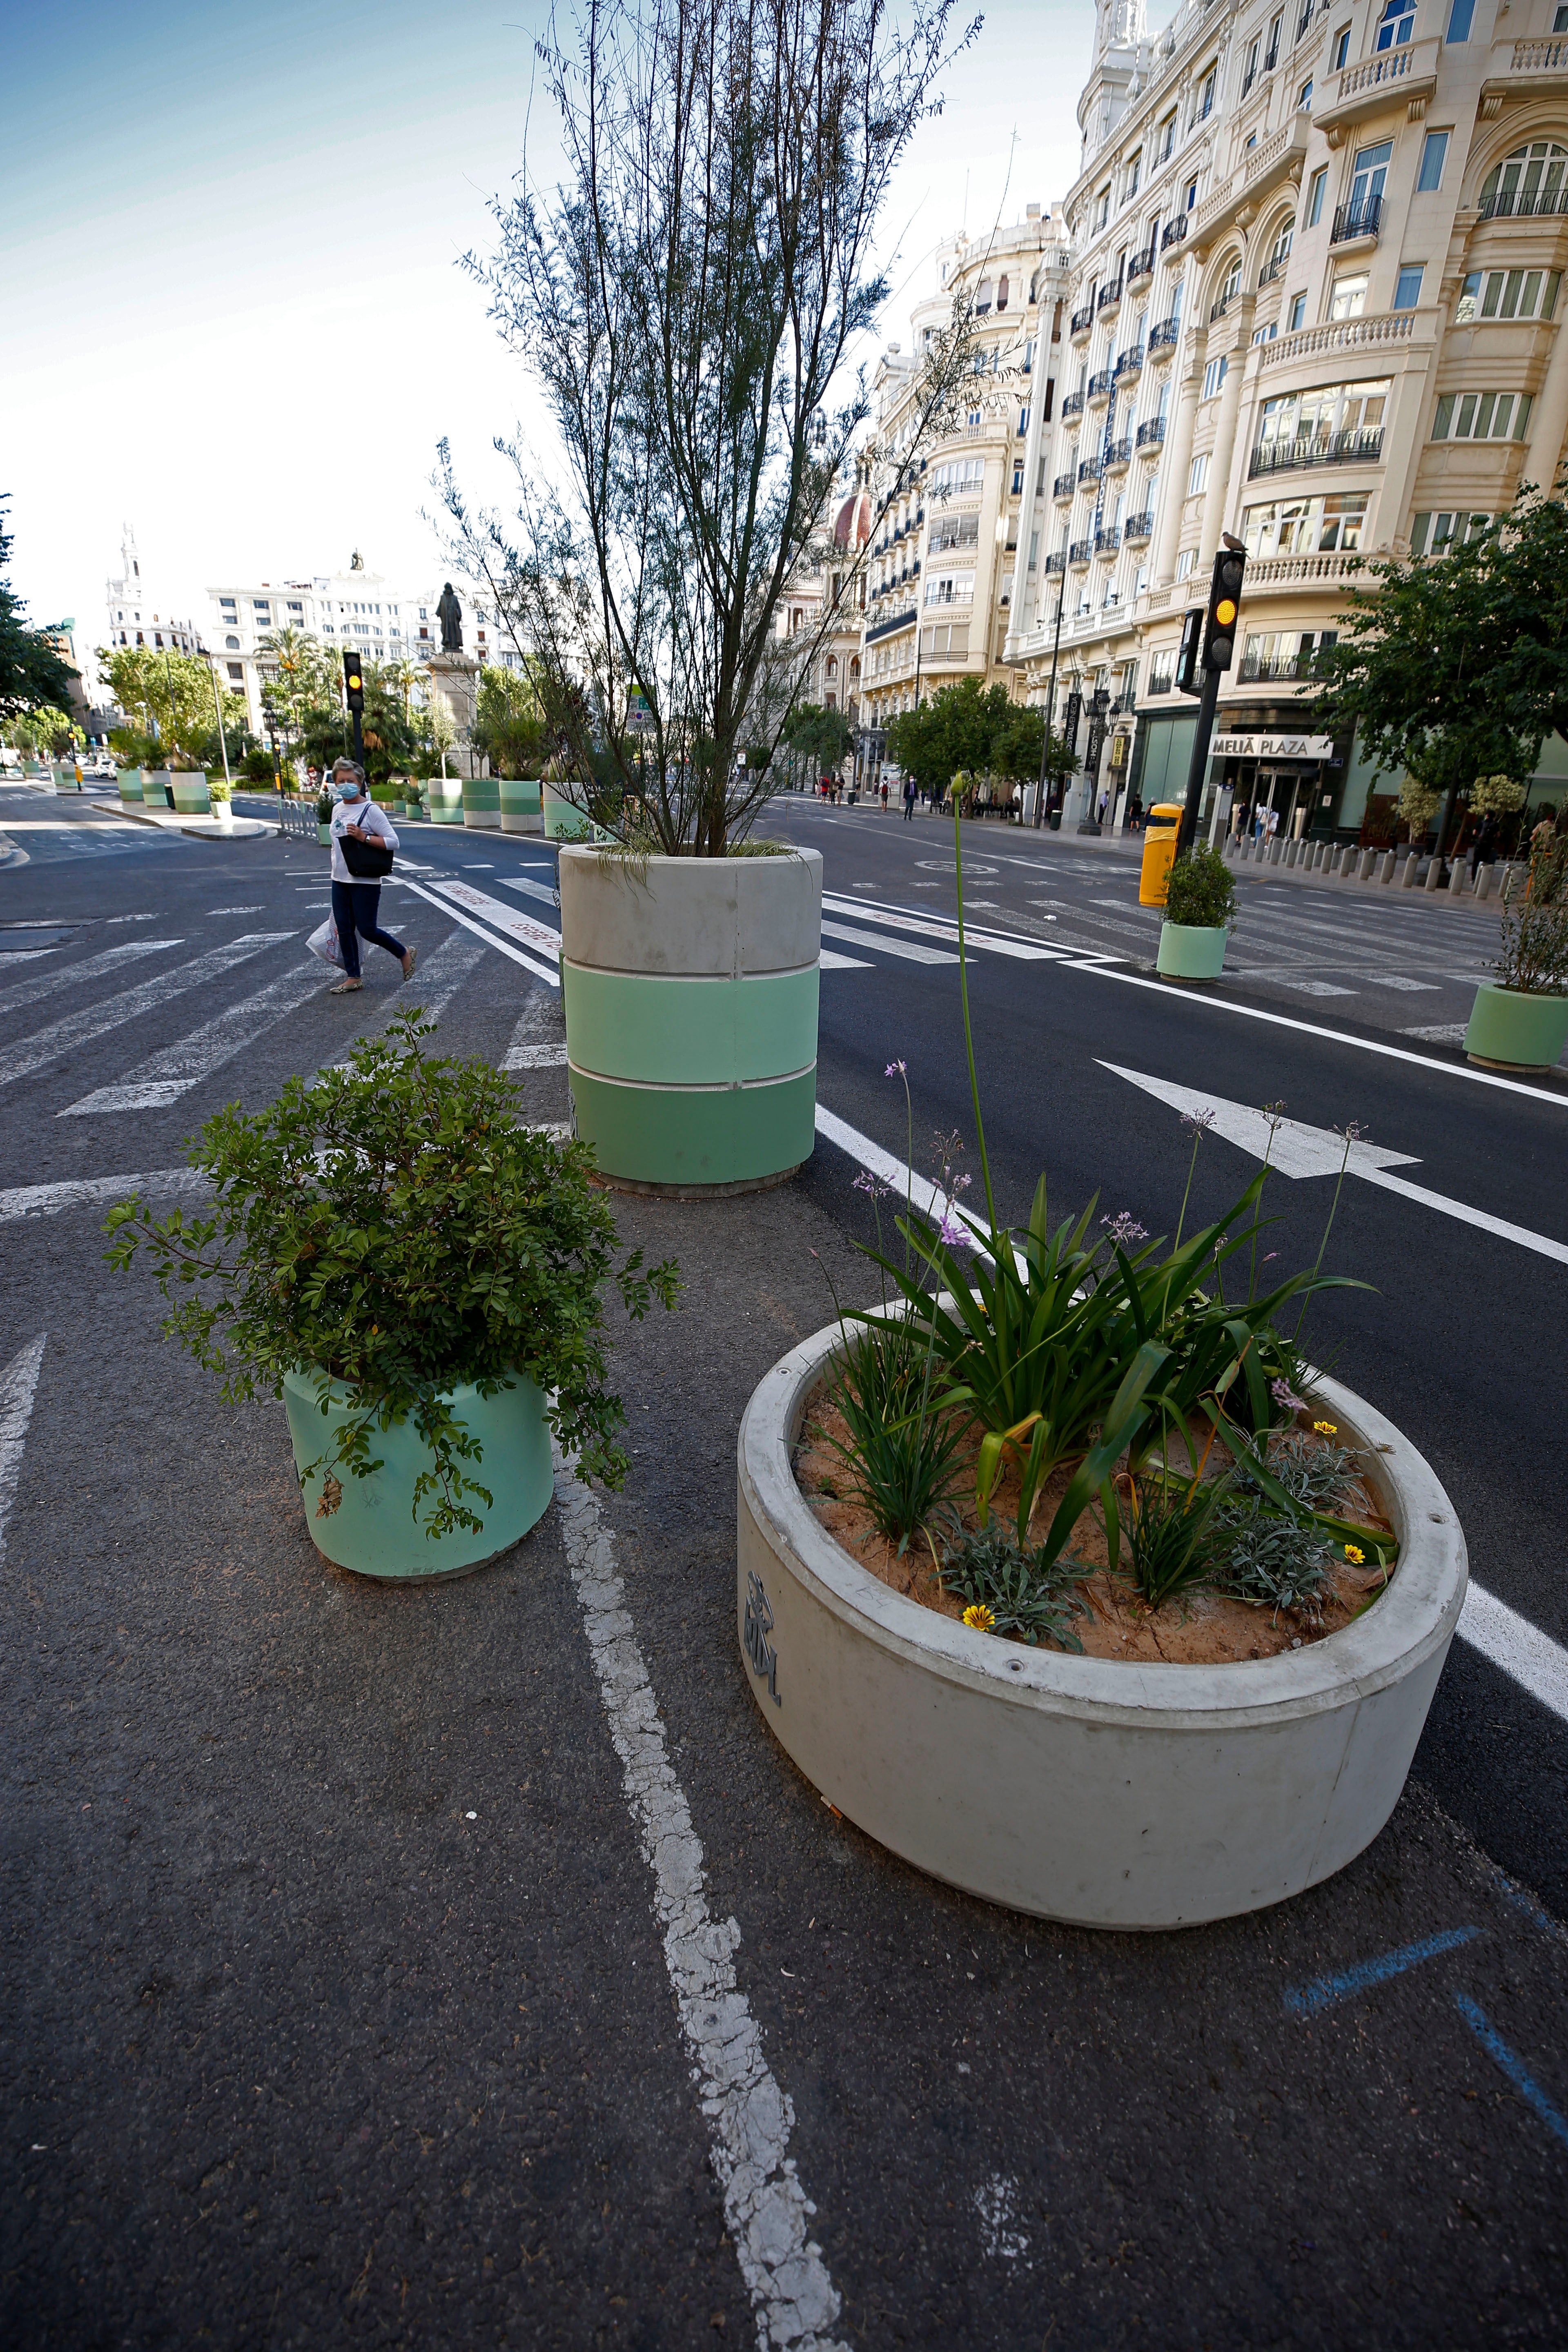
point(759, 1624)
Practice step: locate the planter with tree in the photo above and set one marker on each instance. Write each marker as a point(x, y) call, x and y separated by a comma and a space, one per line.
point(716, 218)
point(1200, 914)
point(421, 1278)
point(1520, 1021)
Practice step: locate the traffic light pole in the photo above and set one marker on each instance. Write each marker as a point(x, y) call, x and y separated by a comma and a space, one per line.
point(1197, 770)
point(358, 738)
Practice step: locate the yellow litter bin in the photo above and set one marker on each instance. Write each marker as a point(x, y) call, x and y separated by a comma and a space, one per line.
point(1159, 852)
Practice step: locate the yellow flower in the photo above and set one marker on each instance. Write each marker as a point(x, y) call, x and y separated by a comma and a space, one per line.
point(1327, 1428)
point(979, 1617)
point(1356, 1558)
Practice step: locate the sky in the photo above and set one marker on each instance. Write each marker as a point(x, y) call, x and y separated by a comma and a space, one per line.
point(232, 306)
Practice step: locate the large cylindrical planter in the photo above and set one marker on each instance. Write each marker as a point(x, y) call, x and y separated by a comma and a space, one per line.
point(691, 988)
point(1508, 1030)
point(564, 820)
point(481, 804)
point(522, 805)
point(130, 782)
point(189, 789)
point(1076, 1787)
point(1191, 951)
point(445, 800)
point(373, 1530)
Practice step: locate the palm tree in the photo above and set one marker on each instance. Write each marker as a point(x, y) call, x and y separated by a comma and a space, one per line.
point(301, 674)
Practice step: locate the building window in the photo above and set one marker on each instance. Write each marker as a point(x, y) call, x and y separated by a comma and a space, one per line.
point(1298, 314)
point(1000, 293)
point(1348, 300)
point(1304, 97)
point(1331, 525)
point(1507, 294)
point(1319, 180)
point(260, 605)
point(982, 298)
point(1482, 416)
point(951, 588)
point(1460, 14)
point(1206, 94)
point(1433, 151)
point(1018, 477)
point(1134, 173)
point(1398, 24)
point(1342, 47)
point(1528, 181)
point(1408, 285)
point(295, 608)
point(1433, 534)
point(1103, 208)
point(832, 665)
point(1034, 550)
point(1185, 562)
point(1165, 139)
point(1367, 181)
point(236, 671)
point(1197, 475)
point(1215, 375)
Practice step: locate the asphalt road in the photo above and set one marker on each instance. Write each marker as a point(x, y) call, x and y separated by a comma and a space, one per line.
point(338, 1999)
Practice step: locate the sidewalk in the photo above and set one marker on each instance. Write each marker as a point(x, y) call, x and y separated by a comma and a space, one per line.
point(200, 828)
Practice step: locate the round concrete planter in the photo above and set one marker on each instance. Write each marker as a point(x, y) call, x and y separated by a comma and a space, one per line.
point(445, 800)
point(1113, 1796)
point(324, 835)
point(563, 820)
point(481, 804)
point(522, 805)
point(373, 1530)
point(690, 987)
point(130, 782)
point(1510, 1031)
point(189, 789)
point(1191, 951)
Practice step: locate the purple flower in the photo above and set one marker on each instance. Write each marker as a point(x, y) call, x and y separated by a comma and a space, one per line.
point(1285, 1396)
point(1198, 1121)
point(957, 1238)
point(867, 1182)
point(894, 1070)
point(1125, 1229)
point(961, 1183)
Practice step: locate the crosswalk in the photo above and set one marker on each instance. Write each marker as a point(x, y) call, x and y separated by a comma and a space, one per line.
point(94, 1021)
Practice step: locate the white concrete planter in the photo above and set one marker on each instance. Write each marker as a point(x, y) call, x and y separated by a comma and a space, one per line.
point(1075, 1787)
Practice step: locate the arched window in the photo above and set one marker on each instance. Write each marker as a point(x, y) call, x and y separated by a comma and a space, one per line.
point(1232, 279)
point(1531, 180)
point(855, 666)
point(1397, 24)
point(231, 644)
point(1000, 293)
point(832, 665)
point(983, 296)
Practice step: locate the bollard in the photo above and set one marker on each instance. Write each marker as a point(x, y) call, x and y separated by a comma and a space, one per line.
point(1412, 868)
point(1276, 850)
point(1433, 872)
point(1386, 870)
point(1368, 863)
point(1484, 881)
point(1458, 878)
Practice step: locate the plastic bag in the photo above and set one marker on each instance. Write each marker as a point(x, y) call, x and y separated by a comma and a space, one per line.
point(324, 943)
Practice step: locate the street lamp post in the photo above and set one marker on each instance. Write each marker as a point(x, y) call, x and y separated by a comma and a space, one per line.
point(1050, 714)
point(217, 706)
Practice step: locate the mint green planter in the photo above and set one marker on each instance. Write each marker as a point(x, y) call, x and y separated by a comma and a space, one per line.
point(324, 835)
point(374, 1531)
point(1191, 951)
point(445, 800)
point(522, 805)
point(155, 788)
point(1510, 1031)
point(562, 822)
point(481, 804)
point(130, 782)
point(690, 990)
point(415, 812)
point(190, 792)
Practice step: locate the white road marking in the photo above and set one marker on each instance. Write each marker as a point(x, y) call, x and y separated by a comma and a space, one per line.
point(1533, 1660)
point(94, 1191)
point(32, 1053)
point(19, 1383)
point(540, 890)
point(909, 950)
point(996, 2202)
point(66, 975)
point(1305, 987)
point(831, 962)
point(27, 955)
point(165, 1075)
point(502, 947)
point(939, 926)
point(1442, 1033)
point(535, 1057)
point(540, 937)
point(1302, 1150)
point(793, 2296)
point(435, 981)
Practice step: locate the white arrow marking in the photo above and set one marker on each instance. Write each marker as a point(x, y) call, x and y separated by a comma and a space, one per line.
point(18, 1382)
point(1297, 1149)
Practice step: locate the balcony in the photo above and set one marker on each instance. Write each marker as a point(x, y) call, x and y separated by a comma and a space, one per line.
point(1349, 448)
point(1130, 364)
point(1138, 528)
point(1357, 224)
point(1279, 670)
point(1524, 206)
point(1142, 265)
point(886, 628)
point(1055, 565)
point(1079, 553)
point(1163, 338)
point(1172, 233)
point(1109, 300)
point(1063, 487)
point(1099, 388)
point(1072, 407)
point(1404, 77)
point(1118, 457)
point(1368, 333)
point(1089, 470)
point(1107, 541)
point(1275, 158)
point(1150, 436)
point(1217, 310)
point(1082, 324)
point(1275, 266)
point(1124, 706)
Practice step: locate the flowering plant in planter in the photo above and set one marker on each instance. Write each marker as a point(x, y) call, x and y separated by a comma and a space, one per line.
point(1201, 890)
point(1533, 959)
point(391, 1229)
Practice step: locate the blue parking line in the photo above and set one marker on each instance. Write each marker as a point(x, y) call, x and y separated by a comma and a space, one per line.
point(1492, 2043)
point(1322, 1992)
point(1522, 1900)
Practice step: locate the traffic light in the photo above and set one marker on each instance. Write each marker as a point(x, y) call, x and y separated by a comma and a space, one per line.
point(1223, 608)
point(353, 680)
point(1187, 660)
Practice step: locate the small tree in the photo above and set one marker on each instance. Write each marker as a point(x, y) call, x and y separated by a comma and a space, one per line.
point(688, 300)
point(305, 676)
point(823, 738)
point(172, 694)
point(509, 724)
point(31, 672)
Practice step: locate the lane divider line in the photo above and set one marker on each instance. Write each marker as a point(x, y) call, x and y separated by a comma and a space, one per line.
point(19, 1383)
point(502, 947)
point(765, 2207)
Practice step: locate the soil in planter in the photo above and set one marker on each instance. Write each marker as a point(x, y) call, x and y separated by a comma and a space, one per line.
point(1197, 1628)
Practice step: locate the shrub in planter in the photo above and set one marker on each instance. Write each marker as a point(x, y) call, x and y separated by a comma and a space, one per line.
point(390, 1231)
point(1520, 1019)
point(1200, 908)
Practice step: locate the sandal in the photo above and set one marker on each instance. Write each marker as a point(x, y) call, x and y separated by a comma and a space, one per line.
point(411, 957)
point(344, 987)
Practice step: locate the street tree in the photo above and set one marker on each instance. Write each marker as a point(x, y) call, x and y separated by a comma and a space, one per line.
point(32, 672)
point(689, 296)
point(977, 730)
point(174, 695)
point(821, 738)
point(509, 727)
point(1455, 666)
point(298, 674)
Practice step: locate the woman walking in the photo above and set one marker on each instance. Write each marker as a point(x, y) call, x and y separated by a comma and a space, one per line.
point(355, 904)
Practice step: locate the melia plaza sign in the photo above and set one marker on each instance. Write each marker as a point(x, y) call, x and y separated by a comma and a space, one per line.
point(1271, 747)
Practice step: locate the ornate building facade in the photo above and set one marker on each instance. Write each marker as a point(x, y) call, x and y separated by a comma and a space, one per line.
point(1317, 252)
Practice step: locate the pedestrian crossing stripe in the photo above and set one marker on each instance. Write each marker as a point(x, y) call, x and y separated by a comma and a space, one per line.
point(93, 1021)
point(502, 946)
point(939, 926)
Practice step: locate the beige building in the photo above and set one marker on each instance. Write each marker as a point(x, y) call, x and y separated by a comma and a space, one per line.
point(1316, 254)
point(942, 567)
point(831, 588)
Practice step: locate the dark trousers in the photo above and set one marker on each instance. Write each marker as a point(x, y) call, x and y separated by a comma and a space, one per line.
point(354, 907)
point(909, 810)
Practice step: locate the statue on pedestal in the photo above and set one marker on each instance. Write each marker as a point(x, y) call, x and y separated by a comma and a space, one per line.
point(449, 613)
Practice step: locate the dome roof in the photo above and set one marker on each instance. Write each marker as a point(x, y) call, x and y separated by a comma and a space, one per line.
point(853, 528)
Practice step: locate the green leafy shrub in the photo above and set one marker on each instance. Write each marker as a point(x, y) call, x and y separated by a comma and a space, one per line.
point(1534, 952)
point(393, 1227)
point(257, 765)
point(1175, 1537)
point(1273, 1562)
point(1021, 1592)
point(1201, 890)
point(901, 1459)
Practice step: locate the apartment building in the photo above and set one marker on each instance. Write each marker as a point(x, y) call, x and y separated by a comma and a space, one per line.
point(949, 556)
point(829, 583)
point(1317, 253)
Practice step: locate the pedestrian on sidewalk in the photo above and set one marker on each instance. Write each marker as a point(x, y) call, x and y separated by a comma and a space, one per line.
point(355, 905)
point(908, 800)
point(884, 796)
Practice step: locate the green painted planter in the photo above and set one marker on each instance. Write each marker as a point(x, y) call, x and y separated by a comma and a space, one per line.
point(1510, 1031)
point(130, 782)
point(374, 1531)
point(1191, 951)
point(562, 822)
point(190, 792)
point(481, 804)
point(324, 835)
point(415, 812)
point(690, 990)
point(155, 788)
point(445, 800)
point(522, 805)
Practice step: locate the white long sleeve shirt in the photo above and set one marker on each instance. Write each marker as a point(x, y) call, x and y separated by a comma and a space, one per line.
point(369, 819)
